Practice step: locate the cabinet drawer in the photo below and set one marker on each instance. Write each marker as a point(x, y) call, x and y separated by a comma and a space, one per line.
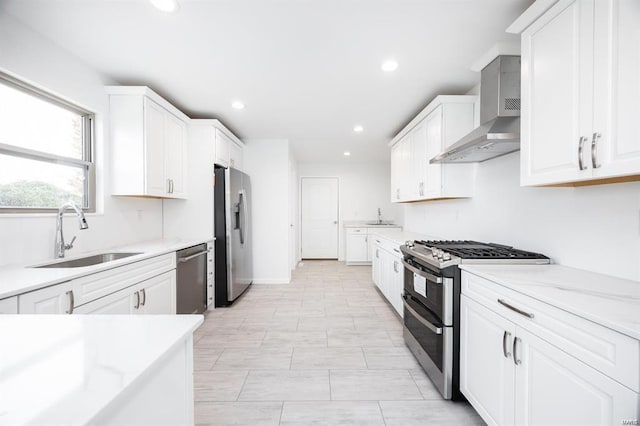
point(98, 285)
point(610, 352)
point(388, 245)
point(357, 231)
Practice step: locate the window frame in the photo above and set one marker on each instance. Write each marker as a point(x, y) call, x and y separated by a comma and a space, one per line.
point(87, 163)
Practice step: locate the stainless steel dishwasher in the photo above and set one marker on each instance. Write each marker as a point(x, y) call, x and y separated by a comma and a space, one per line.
point(191, 280)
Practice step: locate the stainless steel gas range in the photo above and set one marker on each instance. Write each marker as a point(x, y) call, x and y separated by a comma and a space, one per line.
point(432, 301)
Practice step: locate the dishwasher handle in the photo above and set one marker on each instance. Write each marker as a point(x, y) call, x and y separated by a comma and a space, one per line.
point(188, 258)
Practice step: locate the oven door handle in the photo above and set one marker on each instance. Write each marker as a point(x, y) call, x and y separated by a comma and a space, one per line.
point(430, 277)
point(436, 330)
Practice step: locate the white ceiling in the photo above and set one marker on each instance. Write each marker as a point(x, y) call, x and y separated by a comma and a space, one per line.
point(307, 70)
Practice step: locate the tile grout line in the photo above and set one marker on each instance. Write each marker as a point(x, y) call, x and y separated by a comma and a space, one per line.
point(381, 413)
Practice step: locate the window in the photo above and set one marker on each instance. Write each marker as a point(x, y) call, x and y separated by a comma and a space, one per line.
point(46, 151)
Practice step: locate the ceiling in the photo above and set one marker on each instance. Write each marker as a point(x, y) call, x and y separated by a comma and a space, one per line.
point(307, 70)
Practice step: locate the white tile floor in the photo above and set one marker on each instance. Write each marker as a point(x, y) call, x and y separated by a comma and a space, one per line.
point(323, 350)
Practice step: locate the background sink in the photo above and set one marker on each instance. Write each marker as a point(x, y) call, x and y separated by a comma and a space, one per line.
point(88, 261)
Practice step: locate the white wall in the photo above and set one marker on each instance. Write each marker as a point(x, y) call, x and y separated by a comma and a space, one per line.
point(24, 239)
point(267, 164)
point(363, 187)
point(596, 228)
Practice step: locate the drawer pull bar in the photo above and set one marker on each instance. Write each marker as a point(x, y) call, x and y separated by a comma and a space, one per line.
point(513, 308)
point(505, 351)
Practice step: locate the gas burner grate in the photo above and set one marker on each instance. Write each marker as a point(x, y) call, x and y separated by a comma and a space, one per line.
point(466, 249)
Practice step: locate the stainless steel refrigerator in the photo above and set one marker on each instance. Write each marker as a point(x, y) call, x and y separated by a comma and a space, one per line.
point(232, 229)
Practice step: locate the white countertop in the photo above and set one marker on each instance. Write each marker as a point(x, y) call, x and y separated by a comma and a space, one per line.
point(16, 279)
point(400, 237)
point(66, 369)
point(367, 224)
point(608, 301)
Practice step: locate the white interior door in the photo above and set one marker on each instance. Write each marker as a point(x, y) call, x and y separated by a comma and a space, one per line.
point(319, 211)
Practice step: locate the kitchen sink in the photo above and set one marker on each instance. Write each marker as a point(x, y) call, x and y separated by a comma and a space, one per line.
point(88, 261)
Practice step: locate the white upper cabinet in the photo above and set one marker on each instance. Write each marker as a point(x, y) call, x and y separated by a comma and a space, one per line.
point(440, 124)
point(148, 144)
point(228, 148)
point(580, 67)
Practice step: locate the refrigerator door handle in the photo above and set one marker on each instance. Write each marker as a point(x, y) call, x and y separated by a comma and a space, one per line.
point(241, 216)
point(245, 214)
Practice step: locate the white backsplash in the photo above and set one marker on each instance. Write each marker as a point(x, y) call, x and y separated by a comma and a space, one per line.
point(596, 228)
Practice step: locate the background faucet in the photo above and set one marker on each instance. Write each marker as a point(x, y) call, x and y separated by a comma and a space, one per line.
point(60, 245)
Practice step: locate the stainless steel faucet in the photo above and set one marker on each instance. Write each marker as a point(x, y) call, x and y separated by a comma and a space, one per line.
point(60, 245)
point(379, 216)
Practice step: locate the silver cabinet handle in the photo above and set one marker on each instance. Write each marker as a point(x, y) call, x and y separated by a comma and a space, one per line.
point(366, 239)
point(137, 300)
point(188, 258)
point(505, 351)
point(377, 254)
point(396, 250)
point(513, 308)
point(395, 266)
point(398, 194)
point(72, 302)
point(594, 150)
point(581, 165)
point(168, 186)
point(516, 361)
point(437, 330)
point(144, 297)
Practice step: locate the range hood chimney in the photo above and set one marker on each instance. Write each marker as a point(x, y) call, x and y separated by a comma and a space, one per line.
point(499, 133)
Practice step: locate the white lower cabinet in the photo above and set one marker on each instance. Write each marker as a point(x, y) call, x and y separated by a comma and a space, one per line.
point(156, 295)
point(360, 243)
point(150, 283)
point(388, 273)
point(512, 376)
point(9, 305)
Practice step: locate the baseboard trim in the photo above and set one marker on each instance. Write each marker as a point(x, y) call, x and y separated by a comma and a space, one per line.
point(271, 281)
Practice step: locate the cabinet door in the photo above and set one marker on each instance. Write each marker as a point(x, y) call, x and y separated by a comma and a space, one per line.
point(176, 155)
point(433, 172)
point(158, 294)
point(376, 265)
point(617, 88)
point(235, 156)
point(396, 285)
point(557, 94)
point(396, 166)
point(154, 156)
point(357, 247)
point(486, 362)
point(552, 387)
point(420, 159)
point(57, 299)
point(9, 305)
point(223, 146)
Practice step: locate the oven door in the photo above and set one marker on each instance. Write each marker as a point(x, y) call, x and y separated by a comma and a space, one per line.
point(430, 288)
point(431, 342)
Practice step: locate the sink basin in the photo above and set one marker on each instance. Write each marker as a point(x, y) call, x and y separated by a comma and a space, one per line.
point(379, 223)
point(87, 261)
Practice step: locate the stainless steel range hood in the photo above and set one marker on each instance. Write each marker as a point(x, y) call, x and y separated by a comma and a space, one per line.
point(499, 112)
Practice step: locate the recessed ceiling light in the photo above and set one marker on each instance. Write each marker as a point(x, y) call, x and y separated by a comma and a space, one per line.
point(237, 105)
point(390, 65)
point(358, 129)
point(169, 6)
point(347, 153)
